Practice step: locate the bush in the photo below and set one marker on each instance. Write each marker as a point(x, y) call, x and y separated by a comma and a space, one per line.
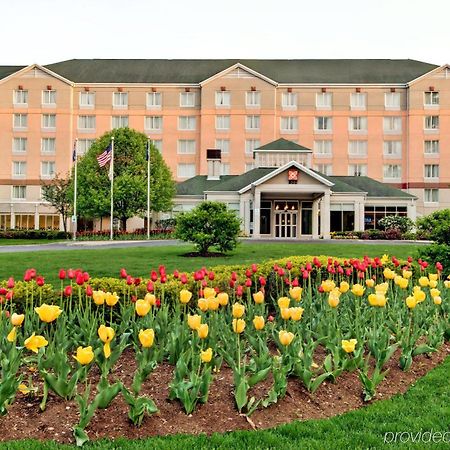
point(435, 226)
point(34, 234)
point(436, 253)
point(138, 234)
point(210, 224)
point(400, 223)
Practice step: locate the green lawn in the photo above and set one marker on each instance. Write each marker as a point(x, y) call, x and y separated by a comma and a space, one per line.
point(425, 407)
point(26, 241)
point(139, 260)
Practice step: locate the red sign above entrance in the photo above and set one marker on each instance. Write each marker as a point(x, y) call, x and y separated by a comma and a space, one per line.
point(292, 175)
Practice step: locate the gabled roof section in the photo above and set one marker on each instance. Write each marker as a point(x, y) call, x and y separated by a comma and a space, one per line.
point(283, 145)
point(6, 71)
point(239, 66)
point(37, 66)
point(236, 183)
point(425, 75)
point(196, 186)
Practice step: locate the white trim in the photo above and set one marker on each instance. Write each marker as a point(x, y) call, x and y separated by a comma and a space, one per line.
point(445, 66)
point(44, 69)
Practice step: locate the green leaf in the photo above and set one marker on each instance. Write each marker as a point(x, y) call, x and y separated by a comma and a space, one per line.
point(241, 394)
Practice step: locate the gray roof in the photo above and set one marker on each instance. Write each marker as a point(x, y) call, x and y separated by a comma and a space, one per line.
point(8, 70)
point(321, 71)
point(283, 145)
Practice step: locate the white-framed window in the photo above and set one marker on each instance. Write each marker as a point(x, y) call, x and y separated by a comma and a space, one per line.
point(357, 170)
point(289, 124)
point(324, 100)
point(158, 144)
point(49, 121)
point(431, 171)
point(249, 166)
point(323, 149)
point(48, 146)
point(326, 169)
point(186, 170)
point(289, 100)
point(187, 99)
point(223, 99)
point(119, 121)
point(19, 169)
point(392, 125)
point(431, 195)
point(252, 122)
point(153, 123)
point(84, 145)
point(250, 145)
point(392, 149)
point(431, 147)
point(87, 99)
point(120, 99)
point(392, 171)
point(20, 145)
point(86, 123)
point(323, 123)
point(431, 98)
point(222, 122)
point(20, 121)
point(357, 124)
point(223, 145)
point(431, 123)
point(20, 97)
point(186, 146)
point(357, 149)
point(49, 97)
point(358, 100)
point(154, 100)
point(225, 169)
point(19, 192)
point(48, 169)
point(187, 123)
point(392, 100)
point(253, 99)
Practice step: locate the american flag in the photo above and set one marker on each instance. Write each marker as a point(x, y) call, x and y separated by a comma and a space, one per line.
point(105, 157)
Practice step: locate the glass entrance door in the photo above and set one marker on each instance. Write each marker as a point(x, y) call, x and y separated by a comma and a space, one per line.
point(286, 224)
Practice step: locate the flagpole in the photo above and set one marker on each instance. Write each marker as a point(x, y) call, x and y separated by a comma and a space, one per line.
point(148, 188)
point(75, 187)
point(111, 236)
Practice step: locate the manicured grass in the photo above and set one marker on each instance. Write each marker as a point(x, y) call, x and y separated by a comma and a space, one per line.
point(27, 241)
point(424, 407)
point(140, 260)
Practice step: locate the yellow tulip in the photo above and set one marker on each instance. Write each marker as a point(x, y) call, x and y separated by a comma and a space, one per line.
point(407, 274)
point(147, 337)
point(203, 330)
point(419, 295)
point(17, 319)
point(333, 301)
point(344, 287)
point(388, 274)
point(150, 298)
point(185, 296)
point(209, 292)
point(384, 259)
point(285, 337)
point(194, 321)
point(382, 288)
point(258, 297)
point(296, 313)
point(433, 276)
point(424, 281)
point(258, 322)
point(203, 304)
point(223, 298)
point(238, 325)
point(381, 299)
point(238, 310)
point(106, 334)
point(285, 313)
point(48, 313)
point(283, 302)
point(328, 285)
point(447, 284)
point(12, 335)
point(111, 299)
point(411, 302)
point(435, 292)
point(296, 293)
point(349, 346)
point(358, 289)
point(23, 389)
point(84, 355)
point(433, 283)
point(437, 300)
point(107, 350)
point(142, 307)
point(403, 283)
point(98, 297)
point(370, 283)
point(34, 343)
point(213, 303)
point(206, 355)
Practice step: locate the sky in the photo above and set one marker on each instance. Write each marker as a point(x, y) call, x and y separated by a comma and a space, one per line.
point(46, 31)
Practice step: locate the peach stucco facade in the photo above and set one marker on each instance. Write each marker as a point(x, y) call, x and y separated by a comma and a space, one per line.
point(398, 133)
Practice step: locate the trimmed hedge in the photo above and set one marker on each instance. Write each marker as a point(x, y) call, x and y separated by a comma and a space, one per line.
point(34, 234)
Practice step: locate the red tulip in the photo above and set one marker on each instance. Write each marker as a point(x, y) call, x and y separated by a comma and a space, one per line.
point(305, 274)
point(410, 259)
point(163, 279)
point(162, 270)
point(27, 276)
point(3, 291)
point(439, 266)
point(130, 280)
point(234, 276)
point(40, 281)
point(11, 283)
point(133, 299)
point(183, 278)
point(86, 276)
point(254, 268)
point(176, 275)
point(262, 281)
point(123, 273)
point(320, 289)
point(204, 283)
point(270, 318)
point(248, 273)
point(79, 279)
point(232, 283)
point(280, 271)
point(239, 291)
point(9, 295)
point(295, 282)
point(150, 286)
point(62, 274)
point(32, 273)
point(211, 275)
point(68, 291)
point(158, 303)
point(7, 314)
point(289, 265)
point(248, 282)
point(308, 267)
point(89, 291)
point(71, 274)
point(153, 276)
point(348, 272)
point(137, 281)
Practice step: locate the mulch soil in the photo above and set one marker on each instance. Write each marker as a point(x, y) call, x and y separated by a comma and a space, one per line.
point(25, 420)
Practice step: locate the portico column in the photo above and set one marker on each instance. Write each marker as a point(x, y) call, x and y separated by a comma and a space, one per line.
point(13, 217)
point(325, 215)
point(256, 213)
point(362, 224)
point(315, 219)
point(411, 211)
point(36, 217)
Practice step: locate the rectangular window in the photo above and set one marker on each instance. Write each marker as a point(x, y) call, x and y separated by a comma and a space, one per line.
point(187, 99)
point(153, 123)
point(392, 149)
point(249, 166)
point(223, 145)
point(20, 121)
point(84, 145)
point(225, 169)
point(222, 122)
point(289, 124)
point(323, 124)
point(48, 146)
point(431, 147)
point(323, 149)
point(357, 149)
point(357, 124)
point(392, 171)
point(358, 100)
point(20, 145)
point(49, 97)
point(432, 123)
point(289, 100)
point(120, 99)
point(19, 192)
point(324, 100)
point(357, 170)
point(392, 100)
point(431, 195)
point(392, 125)
point(223, 99)
point(158, 144)
point(87, 99)
point(186, 146)
point(251, 145)
point(48, 222)
point(154, 100)
point(431, 99)
point(326, 169)
point(48, 169)
point(20, 97)
point(119, 121)
point(252, 123)
point(187, 123)
point(186, 170)
point(49, 121)
point(19, 169)
point(86, 123)
point(431, 171)
point(253, 99)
